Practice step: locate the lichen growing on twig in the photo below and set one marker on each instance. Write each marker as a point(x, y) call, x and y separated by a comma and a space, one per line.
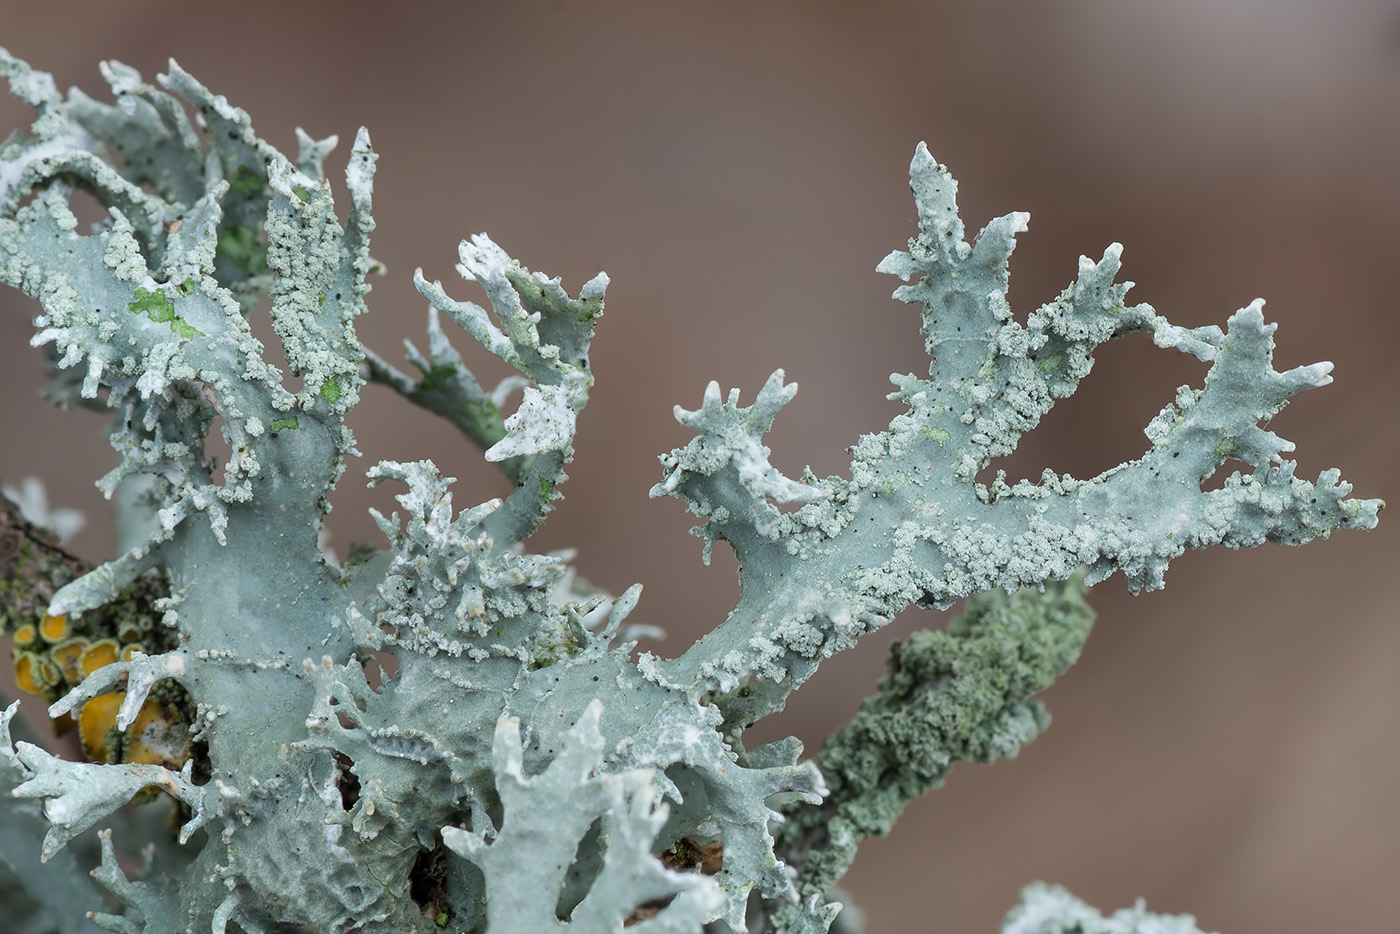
point(618, 789)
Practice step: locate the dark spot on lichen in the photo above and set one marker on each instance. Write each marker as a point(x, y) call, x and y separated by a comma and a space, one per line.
point(427, 882)
point(346, 781)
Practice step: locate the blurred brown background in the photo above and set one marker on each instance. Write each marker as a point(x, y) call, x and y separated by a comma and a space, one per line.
point(1228, 747)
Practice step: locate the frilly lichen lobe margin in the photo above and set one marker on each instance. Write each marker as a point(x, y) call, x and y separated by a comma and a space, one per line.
point(911, 526)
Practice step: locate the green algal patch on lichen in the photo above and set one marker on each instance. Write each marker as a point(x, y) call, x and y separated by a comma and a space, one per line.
point(436, 376)
point(158, 307)
point(290, 423)
point(936, 434)
point(487, 417)
point(247, 182)
point(359, 553)
point(1050, 363)
point(239, 245)
point(1227, 447)
point(330, 389)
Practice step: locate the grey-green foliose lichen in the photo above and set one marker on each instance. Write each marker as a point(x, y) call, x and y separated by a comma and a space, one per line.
point(321, 787)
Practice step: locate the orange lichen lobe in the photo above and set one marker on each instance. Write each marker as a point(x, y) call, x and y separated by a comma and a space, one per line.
point(129, 650)
point(99, 654)
point(96, 723)
point(54, 628)
point(68, 657)
point(26, 634)
point(158, 736)
point(27, 675)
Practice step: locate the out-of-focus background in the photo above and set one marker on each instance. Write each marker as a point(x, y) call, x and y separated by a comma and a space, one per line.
point(1228, 747)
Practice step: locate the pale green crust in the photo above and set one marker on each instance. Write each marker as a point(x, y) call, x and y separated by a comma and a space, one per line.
point(960, 695)
point(1048, 909)
point(617, 789)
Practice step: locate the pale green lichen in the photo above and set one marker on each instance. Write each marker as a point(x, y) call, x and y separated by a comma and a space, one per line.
point(869, 547)
point(1047, 909)
point(326, 789)
point(59, 887)
point(960, 695)
point(527, 862)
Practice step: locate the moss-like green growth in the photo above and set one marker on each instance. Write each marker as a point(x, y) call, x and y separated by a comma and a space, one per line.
point(290, 423)
point(949, 696)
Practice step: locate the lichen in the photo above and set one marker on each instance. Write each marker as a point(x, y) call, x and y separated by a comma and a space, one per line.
point(325, 729)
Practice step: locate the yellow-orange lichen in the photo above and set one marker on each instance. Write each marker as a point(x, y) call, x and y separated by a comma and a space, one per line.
point(26, 634)
point(128, 650)
point(98, 654)
point(68, 658)
point(95, 724)
point(54, 628)
point(27, 673)
point(158, 736)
